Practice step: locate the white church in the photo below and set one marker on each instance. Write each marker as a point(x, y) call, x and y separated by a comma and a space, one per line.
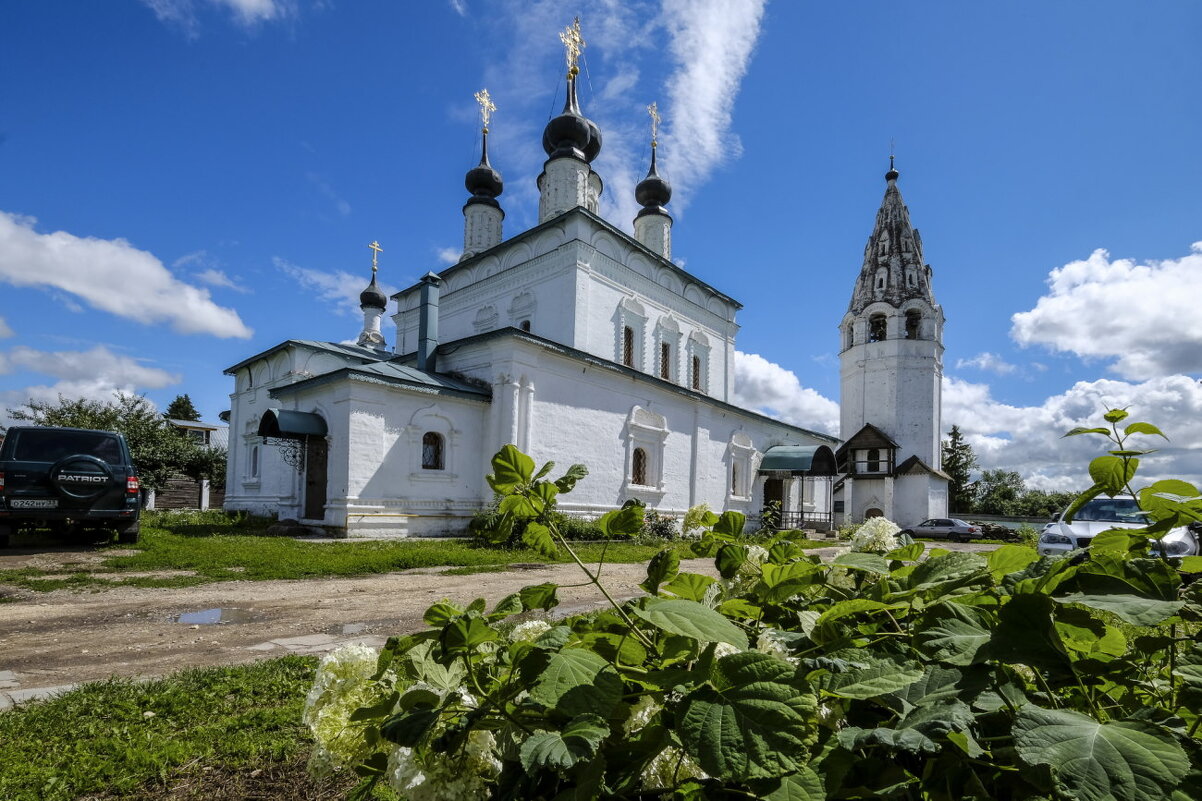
point(580, 343)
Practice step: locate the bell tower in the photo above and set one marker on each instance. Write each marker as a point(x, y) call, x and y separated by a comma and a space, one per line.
point(891, 369)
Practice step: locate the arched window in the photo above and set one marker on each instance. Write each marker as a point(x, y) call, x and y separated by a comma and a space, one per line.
point(695, 377)
point(254, 461)
point(847, 338)
point(525, 325)
point(913, 319)
point(876, 328)
point(665, 361)
point(628, 346)
point(638, 469)
point(432, 451)
point(734, 479)
point(874, 460)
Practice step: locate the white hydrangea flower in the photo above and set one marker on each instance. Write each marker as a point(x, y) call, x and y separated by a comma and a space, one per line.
point(641, 714)
point(757, 554)
point(771, 642)
point(877, 535)
point(670, 767)
point(342, 685)
point(725, 649)
point(529, 631)
point(447, 777)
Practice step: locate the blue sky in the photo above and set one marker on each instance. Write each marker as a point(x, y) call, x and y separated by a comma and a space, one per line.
point(184, 183)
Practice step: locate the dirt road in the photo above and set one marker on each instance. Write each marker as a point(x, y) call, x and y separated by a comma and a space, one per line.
point(68, 636)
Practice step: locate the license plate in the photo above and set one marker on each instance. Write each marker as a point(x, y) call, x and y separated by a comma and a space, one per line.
point(32, 503)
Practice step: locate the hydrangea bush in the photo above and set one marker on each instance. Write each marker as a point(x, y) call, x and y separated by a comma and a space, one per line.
point(908, 674)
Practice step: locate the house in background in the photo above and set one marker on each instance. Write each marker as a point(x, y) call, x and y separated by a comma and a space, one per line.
point(183, 492)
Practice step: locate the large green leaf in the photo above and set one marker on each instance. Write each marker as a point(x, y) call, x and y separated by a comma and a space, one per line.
point(805, 785)
point(1010, 559)
point(955, 640)
point(1144, 428)
point(568, 669)
point(855, 606)
point(948, 571)
point(567, 482)
point(730, 524)
point(1025, 634)
point(663, 567)
point(729, 559)
point(539, 596)
point(409, 728)
point(510, 467)
point(753, 721)
point(1131, 608)
point(624, 522)
point(1090, 761)
point(691, 619)
point(538, 537)
point(1112, 473)
point(854, 738)
point(561, 750)
point(690, 586)
point(878, 676)
point(868, 562)
point(464, 634)
point(1189, 667)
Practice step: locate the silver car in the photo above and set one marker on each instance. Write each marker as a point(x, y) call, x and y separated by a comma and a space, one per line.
point(950, 528)
point(1103, 514)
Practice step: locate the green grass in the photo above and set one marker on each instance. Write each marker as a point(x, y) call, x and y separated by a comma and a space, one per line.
point(215, 552)
point(207, 726)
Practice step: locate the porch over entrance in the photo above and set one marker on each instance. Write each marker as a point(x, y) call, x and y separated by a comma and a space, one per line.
point(797, 487)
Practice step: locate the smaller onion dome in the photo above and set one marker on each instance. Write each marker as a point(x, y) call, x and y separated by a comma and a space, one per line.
point(571, 134)
point(893, 174)
point(653, 192)
point(373, 297)
point(482, 180)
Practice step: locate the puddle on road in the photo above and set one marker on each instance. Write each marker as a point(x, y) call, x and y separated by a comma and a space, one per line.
point(208, 617)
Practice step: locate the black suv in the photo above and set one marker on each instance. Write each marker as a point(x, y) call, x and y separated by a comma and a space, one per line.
point(68, 479)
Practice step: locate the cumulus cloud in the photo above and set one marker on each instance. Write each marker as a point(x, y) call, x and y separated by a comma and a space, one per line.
point(94, 374)
point(768, 388)
point(339, 287)
point(448, 255)
point(989, 362)
point(711, 43)
point(111, 275)
point(1028, 439)
point(1142, 316)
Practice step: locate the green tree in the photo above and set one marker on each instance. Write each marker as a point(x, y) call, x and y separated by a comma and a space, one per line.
point(999, 492)
point(959, 461)
point(159, 450)
point(182, 409)
point(1042, 503)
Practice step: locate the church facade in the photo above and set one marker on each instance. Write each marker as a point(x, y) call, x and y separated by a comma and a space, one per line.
point(573, 340)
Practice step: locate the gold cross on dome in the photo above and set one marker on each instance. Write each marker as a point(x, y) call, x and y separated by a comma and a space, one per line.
point(487, 107)
point(653, 110)
point(376, 250)
point(573, 43)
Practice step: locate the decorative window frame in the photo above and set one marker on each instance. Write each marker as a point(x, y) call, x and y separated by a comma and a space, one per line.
point(667, 332)
point(630, 314)
point(486, 319)
point(521, 309)
point(647, 430)
point(698, 347)
point(252, 474)
point(431, 419)
point(740, 473)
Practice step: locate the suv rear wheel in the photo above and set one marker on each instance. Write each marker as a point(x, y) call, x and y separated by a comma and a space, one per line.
point(129, 533)
point(5, 531)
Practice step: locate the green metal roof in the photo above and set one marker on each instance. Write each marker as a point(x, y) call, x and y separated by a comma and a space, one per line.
point(287, 424)
point(813, 460)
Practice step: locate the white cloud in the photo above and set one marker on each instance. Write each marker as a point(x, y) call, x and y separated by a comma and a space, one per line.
point(763, 386)
point(711, 43)
point(1028, 439)
point(448, 255)
point(94, 374)
point(340, 205)
point(340, 287)
point(247, 13)
point(214, 277)
point(5, 331)
point(1143, 316)
point(989, 362)
point(111, 275)
point(459, 7)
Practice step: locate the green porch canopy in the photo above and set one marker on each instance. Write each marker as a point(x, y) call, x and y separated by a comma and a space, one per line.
point(286, 424)
point(799, 460)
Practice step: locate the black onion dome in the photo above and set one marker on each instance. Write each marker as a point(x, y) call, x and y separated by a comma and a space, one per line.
point(653, 192)
point(892, 175)
point(571, 134)
point(482, 180)
point(373, 297)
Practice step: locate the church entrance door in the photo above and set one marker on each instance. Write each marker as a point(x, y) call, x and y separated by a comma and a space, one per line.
point(774, 497)
point(316, 452)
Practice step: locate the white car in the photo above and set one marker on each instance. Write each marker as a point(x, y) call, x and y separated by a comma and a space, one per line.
point(1102, 514)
